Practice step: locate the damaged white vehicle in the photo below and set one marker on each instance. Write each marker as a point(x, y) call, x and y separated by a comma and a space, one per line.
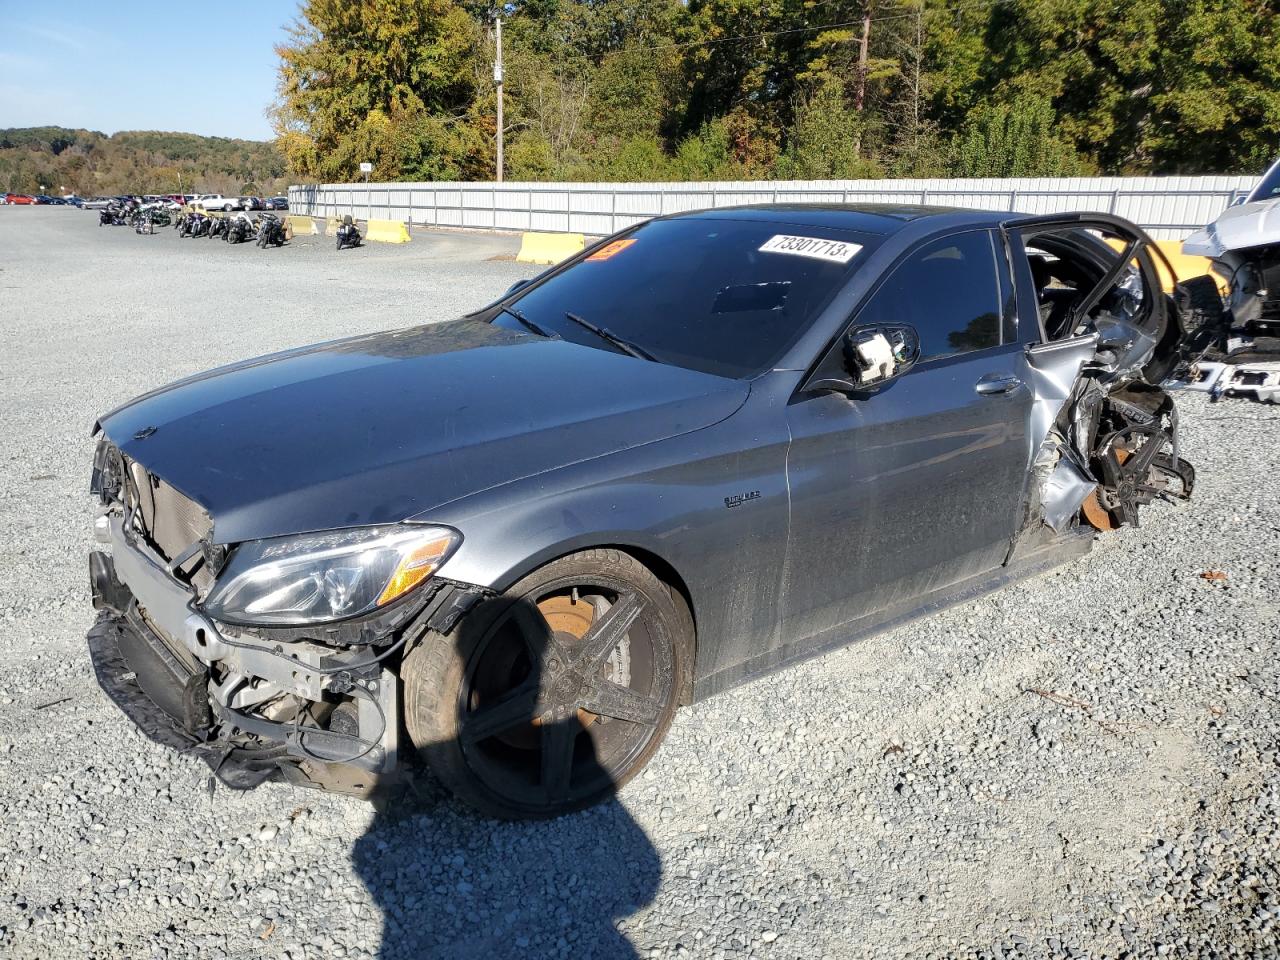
point(1239, 354)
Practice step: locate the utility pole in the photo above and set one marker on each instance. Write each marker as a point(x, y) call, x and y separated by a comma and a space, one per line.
point(497, 79)
point(861, 96)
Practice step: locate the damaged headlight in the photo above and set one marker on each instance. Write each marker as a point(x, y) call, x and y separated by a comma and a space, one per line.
point(320, 577)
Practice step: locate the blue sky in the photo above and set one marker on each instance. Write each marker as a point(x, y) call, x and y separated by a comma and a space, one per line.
point(121, 65)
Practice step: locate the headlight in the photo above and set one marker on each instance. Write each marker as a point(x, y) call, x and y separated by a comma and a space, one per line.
point(316, 578)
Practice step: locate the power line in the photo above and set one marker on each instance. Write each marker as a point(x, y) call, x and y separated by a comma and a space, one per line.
point(983, 4)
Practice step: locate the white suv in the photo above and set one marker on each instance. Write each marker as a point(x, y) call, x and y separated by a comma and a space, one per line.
point(216, 201)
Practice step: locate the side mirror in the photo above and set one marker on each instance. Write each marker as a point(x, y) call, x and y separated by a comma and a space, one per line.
point(516, 286)
point(871, 356)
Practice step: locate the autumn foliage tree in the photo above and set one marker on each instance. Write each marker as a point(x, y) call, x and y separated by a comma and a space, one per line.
point(747, 89)
point(390, 82)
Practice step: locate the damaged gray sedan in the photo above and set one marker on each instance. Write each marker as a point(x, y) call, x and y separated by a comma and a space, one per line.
point(510, 546)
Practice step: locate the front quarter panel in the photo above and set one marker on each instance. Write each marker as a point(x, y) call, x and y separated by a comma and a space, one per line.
point(711, 504)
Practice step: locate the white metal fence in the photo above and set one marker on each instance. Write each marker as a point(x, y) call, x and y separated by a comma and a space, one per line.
point(1168, 207)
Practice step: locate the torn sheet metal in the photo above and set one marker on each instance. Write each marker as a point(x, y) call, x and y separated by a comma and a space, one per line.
point(1054, 370)
point(1123, 346)
point(1064, 492)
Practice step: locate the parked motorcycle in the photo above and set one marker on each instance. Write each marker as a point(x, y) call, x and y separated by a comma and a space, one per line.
point(237, 229)
point(146, 218)
point(348, 235)
point(197, 225)
point(270, 231)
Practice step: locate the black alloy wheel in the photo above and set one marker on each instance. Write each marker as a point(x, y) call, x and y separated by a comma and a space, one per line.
point(548, 698)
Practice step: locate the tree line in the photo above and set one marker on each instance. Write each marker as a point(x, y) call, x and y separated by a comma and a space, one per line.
point(56, 160)
point(752, 89)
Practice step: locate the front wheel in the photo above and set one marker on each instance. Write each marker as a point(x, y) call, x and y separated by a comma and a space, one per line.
point(548, 698)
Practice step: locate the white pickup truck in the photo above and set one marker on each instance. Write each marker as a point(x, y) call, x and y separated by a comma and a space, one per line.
point(216, 201)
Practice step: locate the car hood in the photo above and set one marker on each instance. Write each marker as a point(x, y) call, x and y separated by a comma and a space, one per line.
point(380, 428)
point(1239, 228)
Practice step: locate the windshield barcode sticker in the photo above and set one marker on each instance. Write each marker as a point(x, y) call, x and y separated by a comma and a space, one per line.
point(836, 251)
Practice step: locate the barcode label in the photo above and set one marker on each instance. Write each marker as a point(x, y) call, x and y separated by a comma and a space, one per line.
point(836, 251)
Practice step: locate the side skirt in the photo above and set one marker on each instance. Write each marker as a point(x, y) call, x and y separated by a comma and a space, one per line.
point(1062, 550)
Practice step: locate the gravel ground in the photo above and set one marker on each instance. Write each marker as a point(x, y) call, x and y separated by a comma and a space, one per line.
point(1082, 765)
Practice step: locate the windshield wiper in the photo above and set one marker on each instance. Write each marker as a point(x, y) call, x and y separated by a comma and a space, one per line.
point(531, 325)
point(624, 345)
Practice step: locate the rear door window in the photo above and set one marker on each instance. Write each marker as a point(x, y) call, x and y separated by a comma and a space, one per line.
point(948, 291)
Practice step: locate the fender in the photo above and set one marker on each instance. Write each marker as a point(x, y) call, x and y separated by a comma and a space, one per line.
point(654, 500)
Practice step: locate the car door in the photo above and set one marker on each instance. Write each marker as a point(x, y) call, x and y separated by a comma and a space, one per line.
point(918, 485)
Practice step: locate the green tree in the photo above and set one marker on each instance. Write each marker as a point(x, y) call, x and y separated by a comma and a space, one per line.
point(358, 79)
point(825, 142)
point(1017, 139)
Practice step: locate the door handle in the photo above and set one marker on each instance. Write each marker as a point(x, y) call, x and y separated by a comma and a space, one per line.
point(994, 383)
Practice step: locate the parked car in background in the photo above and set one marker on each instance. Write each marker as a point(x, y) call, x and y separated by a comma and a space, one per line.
point(19, 198)
point(96, 203)
point(276, 203)
point(216, 201)
point(73, 200)
point(251, 203)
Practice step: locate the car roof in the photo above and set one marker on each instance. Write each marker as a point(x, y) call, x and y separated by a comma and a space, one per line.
point(875, 218)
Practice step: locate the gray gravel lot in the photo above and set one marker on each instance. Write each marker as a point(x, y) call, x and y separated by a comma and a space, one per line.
point(1083, 765)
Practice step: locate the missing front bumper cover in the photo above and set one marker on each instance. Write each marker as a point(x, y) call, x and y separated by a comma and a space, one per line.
point(171, 692)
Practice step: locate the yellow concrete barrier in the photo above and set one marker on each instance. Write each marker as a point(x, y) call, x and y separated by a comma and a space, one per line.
point(301, 225)
point(388, 231)
point(549, 247)
point(1184, 266)
point(331, 225)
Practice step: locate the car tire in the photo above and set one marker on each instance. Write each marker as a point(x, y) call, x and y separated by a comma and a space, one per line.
point(593, 719)
point(227, 208)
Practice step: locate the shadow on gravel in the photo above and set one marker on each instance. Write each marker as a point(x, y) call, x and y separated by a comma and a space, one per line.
point(452, 884)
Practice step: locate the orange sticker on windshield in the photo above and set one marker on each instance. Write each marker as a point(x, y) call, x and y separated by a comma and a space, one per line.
point(609, 249)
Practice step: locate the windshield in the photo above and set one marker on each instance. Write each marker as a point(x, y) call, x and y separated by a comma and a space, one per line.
point(1268, 187)
point(726, 297)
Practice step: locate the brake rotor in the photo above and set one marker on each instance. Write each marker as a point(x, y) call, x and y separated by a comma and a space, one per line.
point(1097, 515)
point(573, 617)
point(565, 616)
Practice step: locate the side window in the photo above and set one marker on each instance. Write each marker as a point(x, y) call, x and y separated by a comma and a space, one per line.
point(1066, 266)
point(949, 291)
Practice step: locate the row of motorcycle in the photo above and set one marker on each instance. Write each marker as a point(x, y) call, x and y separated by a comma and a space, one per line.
point(143, 217)
point(266, 229)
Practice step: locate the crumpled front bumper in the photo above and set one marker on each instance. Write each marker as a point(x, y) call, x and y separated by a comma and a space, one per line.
point(163, 697)
point(171, 670)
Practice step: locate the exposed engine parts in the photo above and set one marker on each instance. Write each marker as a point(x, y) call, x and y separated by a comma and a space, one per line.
point(1234, 350)
point(317, 705)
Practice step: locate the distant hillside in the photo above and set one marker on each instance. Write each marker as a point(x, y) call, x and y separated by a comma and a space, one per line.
point(88, 163)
